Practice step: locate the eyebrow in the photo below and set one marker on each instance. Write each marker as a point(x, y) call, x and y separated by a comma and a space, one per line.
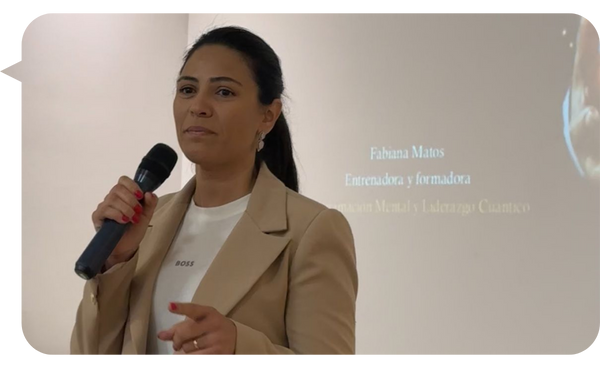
point(212, 80)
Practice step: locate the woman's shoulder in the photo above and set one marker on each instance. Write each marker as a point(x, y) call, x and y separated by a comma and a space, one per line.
point(302, 211)
point(318, 227)
point(302, 203)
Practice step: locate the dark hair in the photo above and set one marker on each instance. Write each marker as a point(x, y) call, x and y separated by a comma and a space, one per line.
point(266, 69)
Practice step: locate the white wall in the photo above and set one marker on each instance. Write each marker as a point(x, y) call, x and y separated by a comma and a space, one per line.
point(97, 95)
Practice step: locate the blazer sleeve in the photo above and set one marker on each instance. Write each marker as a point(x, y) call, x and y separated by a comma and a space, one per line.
point(323, 287)
point(103, 311)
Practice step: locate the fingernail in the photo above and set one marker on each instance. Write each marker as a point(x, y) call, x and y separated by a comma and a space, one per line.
point(172, 306)
point(125, 218)
point(135, 219)
point(139, 194)
point(138, 209)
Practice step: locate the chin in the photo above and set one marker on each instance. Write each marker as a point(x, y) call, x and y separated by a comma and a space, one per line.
point(197, 156)
point(201, 157)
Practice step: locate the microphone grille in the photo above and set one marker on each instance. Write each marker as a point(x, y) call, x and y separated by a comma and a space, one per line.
point(160, 161)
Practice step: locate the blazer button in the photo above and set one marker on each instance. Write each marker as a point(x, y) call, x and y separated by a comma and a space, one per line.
point(93, 299)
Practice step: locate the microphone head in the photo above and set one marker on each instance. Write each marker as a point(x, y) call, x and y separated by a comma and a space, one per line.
point(160, 161)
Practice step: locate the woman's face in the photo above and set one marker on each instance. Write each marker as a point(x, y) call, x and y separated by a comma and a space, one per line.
point(216, 109)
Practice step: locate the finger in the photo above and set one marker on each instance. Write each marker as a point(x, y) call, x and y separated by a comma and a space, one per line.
point(131, 186)
point(124, 194)
point(132, 213)
point(98, 216)
point(178, 328)
point(150, 203)
point(190, 332)
point(108, 212)
point(120, 199)
point(188, 346)
point(193, 311)
point(166, 335)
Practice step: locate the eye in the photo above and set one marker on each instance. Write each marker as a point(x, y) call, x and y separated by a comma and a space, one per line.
point(225, 92)
point(185, 88)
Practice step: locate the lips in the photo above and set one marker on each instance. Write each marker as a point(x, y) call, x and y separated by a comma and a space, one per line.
point(198, 130)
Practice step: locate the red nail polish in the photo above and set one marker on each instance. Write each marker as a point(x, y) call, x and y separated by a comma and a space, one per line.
point(172, 306)
point(135, 219)
point(139, 194)
point(125, 218)
point(138, 209)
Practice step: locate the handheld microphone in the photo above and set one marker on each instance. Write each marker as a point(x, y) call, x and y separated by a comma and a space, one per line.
point(154, 169)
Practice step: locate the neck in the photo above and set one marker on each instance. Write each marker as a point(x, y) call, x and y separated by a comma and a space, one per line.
point(218, 186)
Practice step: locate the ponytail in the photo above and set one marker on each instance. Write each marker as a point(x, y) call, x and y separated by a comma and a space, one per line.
point(278, 154)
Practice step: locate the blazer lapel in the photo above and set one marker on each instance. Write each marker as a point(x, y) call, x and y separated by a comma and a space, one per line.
point(243, 258)
point(250, 249)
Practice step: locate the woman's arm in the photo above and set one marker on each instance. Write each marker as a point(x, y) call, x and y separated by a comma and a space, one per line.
point(103, 311)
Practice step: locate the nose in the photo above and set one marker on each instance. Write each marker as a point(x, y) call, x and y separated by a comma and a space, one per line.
point(200, 107)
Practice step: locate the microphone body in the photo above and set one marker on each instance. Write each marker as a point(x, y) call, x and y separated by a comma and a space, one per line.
point(148, 177)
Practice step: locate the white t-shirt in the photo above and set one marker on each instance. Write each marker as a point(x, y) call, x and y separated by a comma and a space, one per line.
point(197, 242)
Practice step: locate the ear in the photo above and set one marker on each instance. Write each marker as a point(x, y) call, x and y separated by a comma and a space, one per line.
point(271, 114)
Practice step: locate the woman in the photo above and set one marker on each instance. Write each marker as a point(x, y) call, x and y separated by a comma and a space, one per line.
point(237, 261)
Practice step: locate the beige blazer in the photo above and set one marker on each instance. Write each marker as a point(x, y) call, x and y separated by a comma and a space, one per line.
point(286, 276)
